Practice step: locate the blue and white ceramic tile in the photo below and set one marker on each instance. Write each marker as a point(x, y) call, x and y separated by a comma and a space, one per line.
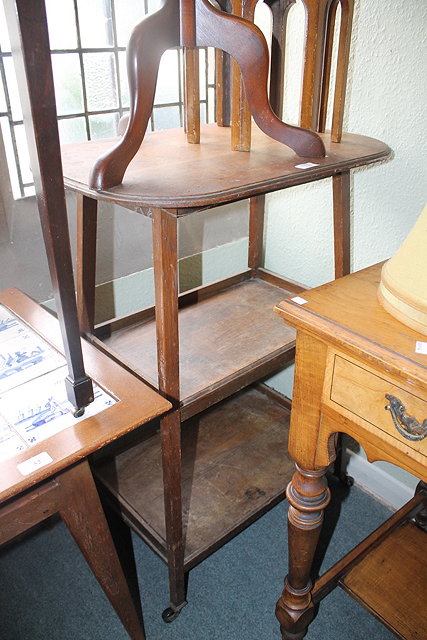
point(10, 441)
point(24, 355)
point(33, 399)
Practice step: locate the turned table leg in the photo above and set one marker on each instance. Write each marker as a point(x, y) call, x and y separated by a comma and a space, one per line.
point(308, 495)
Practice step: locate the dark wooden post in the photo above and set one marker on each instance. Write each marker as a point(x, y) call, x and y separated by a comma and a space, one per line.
point(30, 45)
point(165, 256)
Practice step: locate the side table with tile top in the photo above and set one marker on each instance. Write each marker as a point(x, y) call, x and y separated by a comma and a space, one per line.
point(53, 475)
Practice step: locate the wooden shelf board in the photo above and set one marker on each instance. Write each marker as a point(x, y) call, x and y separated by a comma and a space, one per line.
point(390, 581)
point(216, 338)
point(235, 466)
point(167, 172)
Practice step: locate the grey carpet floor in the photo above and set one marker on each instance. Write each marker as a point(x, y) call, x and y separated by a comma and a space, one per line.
point(47, 591)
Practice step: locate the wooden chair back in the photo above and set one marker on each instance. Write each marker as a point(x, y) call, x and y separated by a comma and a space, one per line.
point(320, 22)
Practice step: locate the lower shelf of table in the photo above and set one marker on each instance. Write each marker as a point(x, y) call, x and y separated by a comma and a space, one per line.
point(235, 467)
point(391, 582)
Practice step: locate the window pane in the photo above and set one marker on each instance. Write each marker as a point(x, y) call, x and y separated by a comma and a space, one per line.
point(10, 157)
point(95, 23)
point(103, 125)
point(24, 158)
point(100, 73)
point(211, 104)
point(3, 106)
point(168, 79)
point(68, 83)
point(166, 117)
point(124, 85)
point(72, 130)
point(129, 13)
point(29, 191)
point(96, 90)
point(62, 24)
point(202, 73)
point(4, 36)
point(181, 70)
point(211, 65)
point(12, 86)
point(153, 5)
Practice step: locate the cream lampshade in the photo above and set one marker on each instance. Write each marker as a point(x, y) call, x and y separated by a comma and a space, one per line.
point(403, 286)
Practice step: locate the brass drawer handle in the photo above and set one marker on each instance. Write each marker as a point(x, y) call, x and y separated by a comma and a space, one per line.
point(407, 426)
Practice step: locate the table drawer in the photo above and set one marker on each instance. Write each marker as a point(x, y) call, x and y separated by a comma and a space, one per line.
point(363, 393)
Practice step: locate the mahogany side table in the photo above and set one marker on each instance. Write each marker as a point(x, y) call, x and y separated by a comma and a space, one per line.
point(361, 372)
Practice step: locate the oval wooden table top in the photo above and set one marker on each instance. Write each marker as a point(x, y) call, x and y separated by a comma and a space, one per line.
point(168, 172)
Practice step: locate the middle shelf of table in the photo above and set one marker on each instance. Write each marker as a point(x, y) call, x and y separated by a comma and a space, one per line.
point(229, 337)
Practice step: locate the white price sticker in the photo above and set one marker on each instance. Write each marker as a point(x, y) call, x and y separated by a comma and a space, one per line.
point(306, 165)
point(34, 463)
point(299, 300)
point(421, 347)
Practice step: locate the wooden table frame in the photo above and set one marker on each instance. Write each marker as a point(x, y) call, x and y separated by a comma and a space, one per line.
point(65, 485)
point(350, 352)
point(165, 202)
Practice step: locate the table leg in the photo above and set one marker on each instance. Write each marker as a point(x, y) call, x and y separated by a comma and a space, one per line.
point(240, 111)
point(81, 510)
point(341, 202)
point(421, 517)
point(343, 55)
point(317, 15)
point(308, 495)
point(165, 256)
point(87, 224)
point(279, 11)
point(256, 233)
point(170, 433)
